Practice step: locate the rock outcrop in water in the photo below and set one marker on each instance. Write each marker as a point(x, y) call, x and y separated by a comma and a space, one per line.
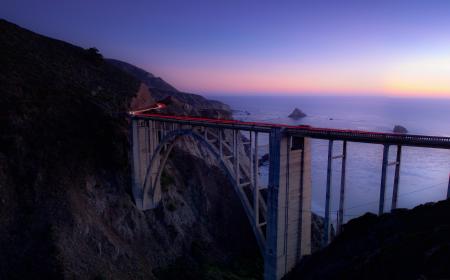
point(297, 114)
point(400, 129)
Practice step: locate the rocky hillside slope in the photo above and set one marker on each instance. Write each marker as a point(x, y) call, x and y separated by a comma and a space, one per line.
point(194, 104)
point(65, 204)
point(405, 244)
point(150, 80)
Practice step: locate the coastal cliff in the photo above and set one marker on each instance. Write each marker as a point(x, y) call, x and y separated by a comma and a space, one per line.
point(66, 209)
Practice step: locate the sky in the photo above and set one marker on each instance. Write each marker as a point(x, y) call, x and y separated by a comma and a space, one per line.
point(394, 48)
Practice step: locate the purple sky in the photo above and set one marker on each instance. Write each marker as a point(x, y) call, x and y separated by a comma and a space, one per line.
point(262, 47)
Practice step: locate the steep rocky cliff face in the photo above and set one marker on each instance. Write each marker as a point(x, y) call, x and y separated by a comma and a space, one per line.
point(65, 203)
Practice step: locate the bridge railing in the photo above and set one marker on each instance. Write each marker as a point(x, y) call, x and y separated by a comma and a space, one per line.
point(313, 132)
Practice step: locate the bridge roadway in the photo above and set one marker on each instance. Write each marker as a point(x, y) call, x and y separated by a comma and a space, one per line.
point(424, 141)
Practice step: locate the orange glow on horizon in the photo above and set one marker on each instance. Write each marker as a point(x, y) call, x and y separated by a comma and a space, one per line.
point(406, 75)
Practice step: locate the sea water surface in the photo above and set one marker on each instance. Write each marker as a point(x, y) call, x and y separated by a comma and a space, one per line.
point(424, 174)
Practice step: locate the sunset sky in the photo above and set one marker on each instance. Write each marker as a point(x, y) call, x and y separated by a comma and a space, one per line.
point(262, 47)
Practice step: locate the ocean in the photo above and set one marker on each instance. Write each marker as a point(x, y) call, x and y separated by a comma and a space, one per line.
point(424, 174)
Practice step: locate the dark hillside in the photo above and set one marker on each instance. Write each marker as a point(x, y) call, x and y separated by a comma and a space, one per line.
point(151, 81)
point(61, 115)
point(65, 207)
point(405, 244)
point(59, 94)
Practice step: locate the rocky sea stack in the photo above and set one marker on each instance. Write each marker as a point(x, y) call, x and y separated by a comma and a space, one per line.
point(297, 114)
point(400, 129)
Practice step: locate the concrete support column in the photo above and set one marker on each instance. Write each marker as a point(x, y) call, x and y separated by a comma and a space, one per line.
point(236, 156)
point(383, 178)
point(137, 183)
point(326, 231)
point(254, 158)
point(250, 147)
point(342, 193)
point(141, 149)
point(396, 178)
point(144, 141)
point(448, 188)
point(220, 144)
point(288, 225)
point(150, 141)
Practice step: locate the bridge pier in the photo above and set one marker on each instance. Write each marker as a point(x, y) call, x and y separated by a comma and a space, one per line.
point(396, 178)
point(326, 231)
point(289, 205)
point(139, 159)
point(340, 221)
point(145, 139)
point(383, 178)
point(395, 188)
point(340, 218)
point(448, 188)
point(254, 158)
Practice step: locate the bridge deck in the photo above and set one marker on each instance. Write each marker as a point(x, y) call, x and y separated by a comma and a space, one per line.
point(440, 142)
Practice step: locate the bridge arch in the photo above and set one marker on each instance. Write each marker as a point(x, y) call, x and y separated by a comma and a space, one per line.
point(280, 218)
point(152, 185)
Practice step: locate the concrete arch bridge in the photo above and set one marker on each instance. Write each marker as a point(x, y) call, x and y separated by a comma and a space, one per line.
point(280, 218)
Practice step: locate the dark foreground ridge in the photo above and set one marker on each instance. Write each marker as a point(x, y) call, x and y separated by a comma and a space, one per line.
point(65, 204)
point(405, 244)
